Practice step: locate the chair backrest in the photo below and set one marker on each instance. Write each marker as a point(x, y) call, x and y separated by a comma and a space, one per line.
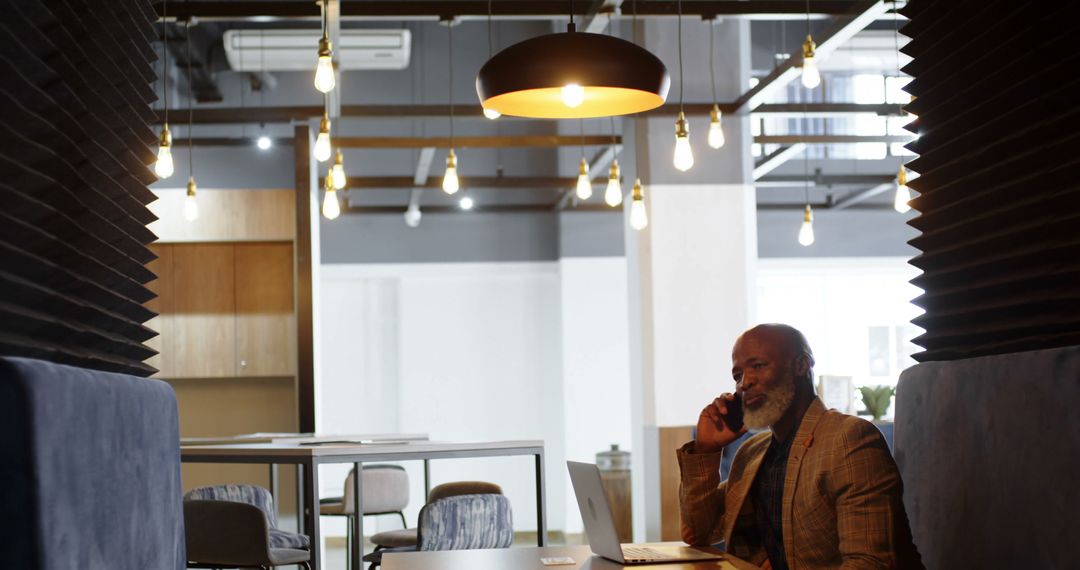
point(463, 488)
point(385, 489)
point(247, 494)
point(225, 532)
point(90, 473)
point(466, 522)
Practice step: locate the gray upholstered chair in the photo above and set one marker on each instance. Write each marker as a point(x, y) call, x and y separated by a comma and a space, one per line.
point(257, 497)
point(386, 492)
point(228, 534)
point(458, 515)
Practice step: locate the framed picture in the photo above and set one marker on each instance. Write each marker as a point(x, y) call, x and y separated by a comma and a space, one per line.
point(837, 392)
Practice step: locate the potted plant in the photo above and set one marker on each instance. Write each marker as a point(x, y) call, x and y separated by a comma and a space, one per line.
point(877, 399)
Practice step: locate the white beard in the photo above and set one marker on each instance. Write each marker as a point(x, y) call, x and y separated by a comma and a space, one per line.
point(772, 409)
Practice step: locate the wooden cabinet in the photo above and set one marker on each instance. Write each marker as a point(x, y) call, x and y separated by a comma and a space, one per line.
point(225, 310)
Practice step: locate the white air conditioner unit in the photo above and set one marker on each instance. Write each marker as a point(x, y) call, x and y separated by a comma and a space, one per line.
point(297, 50)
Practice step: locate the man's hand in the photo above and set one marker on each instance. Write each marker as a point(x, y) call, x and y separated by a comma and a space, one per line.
point(712, 433)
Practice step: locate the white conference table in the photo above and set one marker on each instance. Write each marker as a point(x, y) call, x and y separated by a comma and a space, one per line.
point(528, 558)
point(311, 455)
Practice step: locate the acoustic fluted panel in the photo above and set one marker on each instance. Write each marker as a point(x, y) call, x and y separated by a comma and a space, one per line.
point(75, 145)
point(995, 86)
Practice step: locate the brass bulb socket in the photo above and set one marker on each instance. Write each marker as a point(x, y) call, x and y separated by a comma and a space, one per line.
point(451, 159)
point(714, 114)
point(808, 214)
point(166, 136)
point(808, 47)
point(681, 127)
point(324, 124)
point(583, 167)
point(324, 47)
point(329, 182)
point(338, 159)
point(901, 176)
point(191, 186)
point(635, 194)
point(613, 172)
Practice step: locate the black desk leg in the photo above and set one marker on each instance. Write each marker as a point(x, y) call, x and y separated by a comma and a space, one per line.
point(541, 516)
point(311, 511)
point(427, 479)
point(274, 491)
point(301, 527)
point(356, 549)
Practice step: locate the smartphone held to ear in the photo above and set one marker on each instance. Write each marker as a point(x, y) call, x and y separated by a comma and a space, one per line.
point(733, 419)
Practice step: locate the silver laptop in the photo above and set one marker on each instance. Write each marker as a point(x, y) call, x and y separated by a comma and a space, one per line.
point(600, 525)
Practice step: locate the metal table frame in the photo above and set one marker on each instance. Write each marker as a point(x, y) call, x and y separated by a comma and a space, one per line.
point(307, 458)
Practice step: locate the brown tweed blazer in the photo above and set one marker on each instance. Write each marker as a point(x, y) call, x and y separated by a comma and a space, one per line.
point(843, 498)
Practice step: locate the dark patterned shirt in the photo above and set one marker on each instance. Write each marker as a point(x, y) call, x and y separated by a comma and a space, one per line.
point(768, 493)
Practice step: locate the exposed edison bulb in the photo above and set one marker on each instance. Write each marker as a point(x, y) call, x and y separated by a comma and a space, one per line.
point(491, 113)
point(573, 95)
point(322, 142)
point(806, 232)
point(584, 186)
point(412, 216)
point(903, 193)
point(331, 208)
point(191, 207)
point(613, 193)
point(164, 165)
point(639, 218)
point(684, 155)
point(264, 142)
point(338, 171)
point(716, 131)
point(324, 71)
point(811, 77)
point(450, 183)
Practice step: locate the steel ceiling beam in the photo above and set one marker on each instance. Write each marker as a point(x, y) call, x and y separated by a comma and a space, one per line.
point(863, 195)
point(520, 141)
point(482, 182)
point(790, 181)
point(266, 10)
point(862, 15)
point(774, 160)
point(831, 139)
point(381, 209)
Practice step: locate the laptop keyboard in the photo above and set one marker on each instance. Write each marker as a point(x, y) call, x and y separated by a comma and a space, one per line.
point(639, 553)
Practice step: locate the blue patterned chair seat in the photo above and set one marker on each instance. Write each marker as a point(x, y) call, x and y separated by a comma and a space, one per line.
point(256, 496)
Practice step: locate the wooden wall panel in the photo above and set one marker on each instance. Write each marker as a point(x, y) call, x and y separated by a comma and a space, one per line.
point(265, 321)
point(75, 145)
point(226, 215)
point(999, 208)
point(204, 302)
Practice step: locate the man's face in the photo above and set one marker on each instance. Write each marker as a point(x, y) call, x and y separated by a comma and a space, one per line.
point(763, 367)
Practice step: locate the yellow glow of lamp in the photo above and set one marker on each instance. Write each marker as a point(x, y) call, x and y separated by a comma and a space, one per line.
point(572, 75)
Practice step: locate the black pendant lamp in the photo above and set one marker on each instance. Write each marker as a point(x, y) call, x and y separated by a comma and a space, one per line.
point(572, 75)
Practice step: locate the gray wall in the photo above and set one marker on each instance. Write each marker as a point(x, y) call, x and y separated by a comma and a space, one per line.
point(837, 233)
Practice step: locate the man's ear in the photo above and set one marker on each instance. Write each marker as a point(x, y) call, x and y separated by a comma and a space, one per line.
point(802, 365)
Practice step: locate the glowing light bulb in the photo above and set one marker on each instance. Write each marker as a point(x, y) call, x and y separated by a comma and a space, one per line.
point(573, 95)
point(491, 113)
point(584, 186)
point(684, 155)
point(412, 216)
point(191, 207)
point(806, 232)
point(903, 193)
point(450, 183)
point(331, 208)
point(466, 203)
point(613, 193)
point(164, 165)
point(338, 171)
point(322, 142)
point(324, 71)
point(716, 131)
point(639, 218)
point(264, 142)
point(811, 77)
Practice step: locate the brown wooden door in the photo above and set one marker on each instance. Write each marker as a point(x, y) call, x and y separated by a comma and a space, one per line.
point(204, 311)
point(265, 325)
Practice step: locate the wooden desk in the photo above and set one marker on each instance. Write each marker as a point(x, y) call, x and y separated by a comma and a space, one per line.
point(529, 559)
point(309, 457)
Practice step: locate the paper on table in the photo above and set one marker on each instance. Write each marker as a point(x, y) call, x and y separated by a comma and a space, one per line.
point(557, 561)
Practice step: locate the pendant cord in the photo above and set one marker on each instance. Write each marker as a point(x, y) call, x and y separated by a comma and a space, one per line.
point(808, 17)
point(450, 93)
point(679, 4)
point(581, 125)
point(490, 49)
point(612, 118)
point(806, 153)
point(165, 63)
point(896, 46)
point(571, 12)
point(712, 66)
point(191, 107)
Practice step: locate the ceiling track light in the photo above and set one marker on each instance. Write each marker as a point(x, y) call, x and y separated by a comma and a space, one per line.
point(572, 75)
point(413, 216)
point(639, 218)
point(324, 70)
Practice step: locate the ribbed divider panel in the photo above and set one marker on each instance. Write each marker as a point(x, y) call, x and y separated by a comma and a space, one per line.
point(76, 145)
point(995, 88)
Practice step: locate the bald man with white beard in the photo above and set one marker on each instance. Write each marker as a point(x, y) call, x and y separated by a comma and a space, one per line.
point(819, 490)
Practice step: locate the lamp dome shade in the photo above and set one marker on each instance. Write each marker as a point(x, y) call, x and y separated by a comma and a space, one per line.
point(618, 77)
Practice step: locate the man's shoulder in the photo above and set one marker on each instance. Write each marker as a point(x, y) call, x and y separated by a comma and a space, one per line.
point(843, 428)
